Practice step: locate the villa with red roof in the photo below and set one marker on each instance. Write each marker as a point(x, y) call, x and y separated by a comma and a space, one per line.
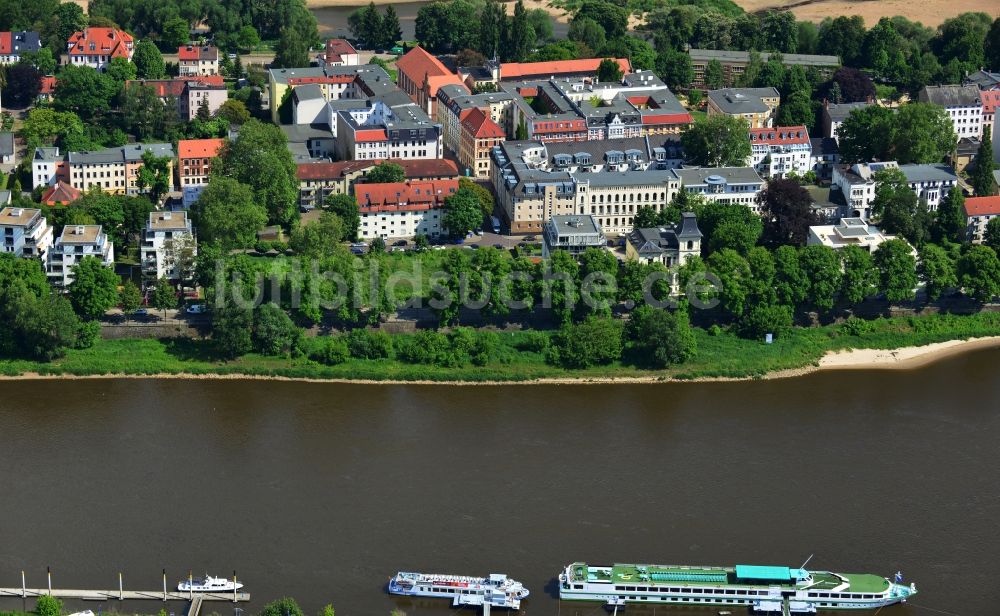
point(404, 209)
point(420, 75)
point(778, 151)
point(96, 47)
point(195, 165)
point(13, 44)
point(339, 52)
point(197, 60)
point(978, 212)
point(478, 135)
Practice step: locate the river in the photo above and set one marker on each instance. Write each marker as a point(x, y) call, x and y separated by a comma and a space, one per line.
point(322, 491)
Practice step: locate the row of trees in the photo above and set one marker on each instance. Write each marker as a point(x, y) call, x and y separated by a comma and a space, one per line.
point(450, 26)
point(375, 30)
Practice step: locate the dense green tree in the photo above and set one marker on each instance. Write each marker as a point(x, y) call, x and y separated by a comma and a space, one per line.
point(991, 236)
point(979, 273)
point(821, 267)
point(950, 225)
point(47, 605)
point(143, 114)
point(247, 39)
point(386, 172)
point(982, 173)
point(318, 238)
point(734, 274)
point(84, 91)
point(588, 32)
point(346, 209)
point(598, 273)
point(234, 112)
point(659, 338)
point(791, 284)
point(763, 319)
point(860, 278)
point(963, 38)
point(714, 77)
point(164, 296)
point(609, 71)
point(593, 342)
point(640, 53)
point(129, 298)
point(462, 212)
point(23, 83)
point(154, 175)
point(490, 27)
point(867, 134)
point(895, 206)
point(260, 158)
point(729, 226)
point(232, 327)
point(760, 285)
point(843, 36)
point(148, 61)
point(719, 141)
point(937, 270)
point(991, 48)
point(291, 50)
point(227, 213)
point(561, 50)
point(786, 208)
point(612, 17)
point(923, 134)
point(94, 289)
point(43, 60)
point(674, 68)
point(796, 110)
point(897, 270)
point(175, 32)
point(273, 332)
point(559, 285)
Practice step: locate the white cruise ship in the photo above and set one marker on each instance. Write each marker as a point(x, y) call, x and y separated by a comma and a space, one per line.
point(497, 590)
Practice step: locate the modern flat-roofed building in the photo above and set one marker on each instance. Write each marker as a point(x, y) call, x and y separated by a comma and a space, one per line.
point(573, 233)
point(75, 243)
point(25, 232)
point(168, 246)
point(197, 60)
point(964, 105)
point(755, 105)
point(732, 185)
point(849, 232)
point(734, 63)
point(978, 212)
point(403, 209)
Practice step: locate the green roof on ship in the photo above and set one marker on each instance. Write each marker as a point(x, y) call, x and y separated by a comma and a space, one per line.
point(757, 572)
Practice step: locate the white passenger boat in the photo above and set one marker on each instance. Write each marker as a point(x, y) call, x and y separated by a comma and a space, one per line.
point(497, 590)
point(209, 584)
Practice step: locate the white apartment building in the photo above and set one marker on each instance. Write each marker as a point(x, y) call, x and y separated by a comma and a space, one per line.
point(380, 132)
point(75, 243)
point(25, 232)
point(167, 236)
point(978, 212)
point(613, 199)
point(964, 105)
point(402, 210)
point(849, 232)
point(776, 152)
point(732, 185)
point(931, 183)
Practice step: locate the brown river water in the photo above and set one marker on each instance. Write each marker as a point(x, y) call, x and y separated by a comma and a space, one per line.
point(322, 491)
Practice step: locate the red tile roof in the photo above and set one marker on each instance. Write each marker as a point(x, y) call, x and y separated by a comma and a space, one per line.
point(418, 168)
point(199, 148)
point(667, 118)
point(196, 52)
point(991, 98)
point(337, 48)
point(6, 43)
point(48, 85)
point(405, 196)
point(106, 42)
point(479, 124)
point(780, 135)
point(175, 87)
point(520, 70)
point(982, 206)
point(60, 194)
point(422, 68)
point(366, 135)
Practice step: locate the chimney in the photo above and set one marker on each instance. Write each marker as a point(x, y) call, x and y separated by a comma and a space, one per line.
point(78, 230)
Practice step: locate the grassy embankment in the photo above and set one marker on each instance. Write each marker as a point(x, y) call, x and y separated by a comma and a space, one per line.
point(721, 355)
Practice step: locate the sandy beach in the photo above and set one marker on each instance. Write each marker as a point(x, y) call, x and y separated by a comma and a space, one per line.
point(904, 358)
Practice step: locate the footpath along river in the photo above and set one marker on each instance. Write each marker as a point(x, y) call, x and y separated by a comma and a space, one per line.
point(322, 491)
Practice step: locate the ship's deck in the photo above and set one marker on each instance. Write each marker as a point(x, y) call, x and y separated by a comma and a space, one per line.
point(660, 575)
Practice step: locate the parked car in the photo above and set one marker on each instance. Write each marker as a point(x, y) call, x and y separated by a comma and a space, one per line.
point(498, 245)
point(400, 243)
point(196, 309)
point(141, 312)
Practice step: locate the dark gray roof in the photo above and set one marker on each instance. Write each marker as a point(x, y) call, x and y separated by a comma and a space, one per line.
point(928, 173)
point(689, 226)
point(824, 146)
point(653, 177)
point(301, 133)
point(308, 92)
point(704, 55)
point(951, 96)
point(984, 80)
point(742, 100)
point(126, 153)
point(575, 224)
point(6, 144)
point(656, 240)
point(731, 175)
point(839, 112)
point(21, 42)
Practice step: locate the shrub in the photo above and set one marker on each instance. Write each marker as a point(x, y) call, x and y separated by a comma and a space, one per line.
point(433, 348)
point(87, 333)
point(764, 319)
point(533, 342)
point(367, 344)
point(484, 348)
point(854, 326)
point(329, 350)
point(596, 341)
point(48, 606)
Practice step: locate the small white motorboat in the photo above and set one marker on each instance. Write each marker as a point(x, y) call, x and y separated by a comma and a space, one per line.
point(209, 584)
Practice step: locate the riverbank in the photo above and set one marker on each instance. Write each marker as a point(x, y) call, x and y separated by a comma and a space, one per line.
point(903, 342)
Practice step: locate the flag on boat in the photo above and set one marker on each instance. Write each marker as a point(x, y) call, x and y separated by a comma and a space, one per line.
point(899, 577)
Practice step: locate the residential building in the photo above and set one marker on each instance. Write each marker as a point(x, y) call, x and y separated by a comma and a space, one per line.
point(96, 47)
point(194, 166)
point(420, 74)
point(8, 149)
point(573, 233)
point(113, 170)
point(848, 232)
point(669, 245)
point(479, 135)
point(168, 246)
point(60, 193)
point(556, 69)
point(978, 212)
point(339, 52)
point(197, 60)
point(964, 105)
point(403, 209)
point(13, 44)
point(631, 153)
point(734, 63)
point(931, 183)
point(319, 180)
point(857, 185)
point(74, 244)
point(965, 152)
point(337, 83)
point(984, 80)
point(309, 105)
point(48, 89)
point(187, 93)
point(732, 185)
point(455, 103)
point(825, 153)
point(614, 198)
point(777, 152)
point(310, 142)
point(991, 100)
point(25, 232)
point(381, 131)
point(835, 114)
point(755, 105)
